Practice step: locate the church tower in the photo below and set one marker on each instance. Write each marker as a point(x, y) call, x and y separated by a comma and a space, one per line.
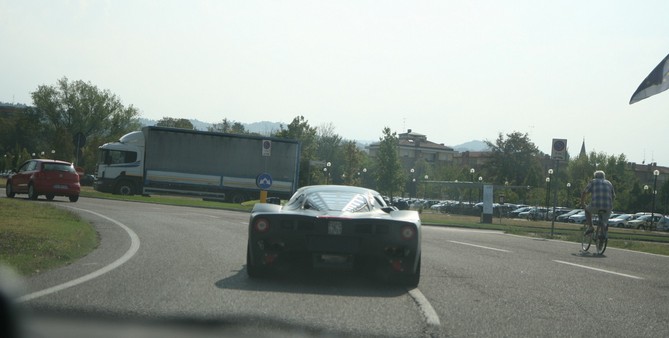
point(583, 153)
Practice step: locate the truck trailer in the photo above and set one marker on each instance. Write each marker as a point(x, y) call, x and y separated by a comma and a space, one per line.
point(230, 167)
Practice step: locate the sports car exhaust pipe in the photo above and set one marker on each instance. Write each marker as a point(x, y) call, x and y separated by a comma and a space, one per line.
point(394, 251)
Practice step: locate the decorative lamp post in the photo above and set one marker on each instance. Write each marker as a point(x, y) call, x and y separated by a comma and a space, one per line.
point(568, 194)
point(364, 173)
point(652, 208)
point(471, 173)
point(412, 188)
point(53, 154)
point(548, 194)
point(548, 197)
point(425, 190)
point(480, 188)
point(326, 172)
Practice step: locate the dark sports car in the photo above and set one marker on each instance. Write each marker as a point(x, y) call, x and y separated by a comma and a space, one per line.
point(330, 225)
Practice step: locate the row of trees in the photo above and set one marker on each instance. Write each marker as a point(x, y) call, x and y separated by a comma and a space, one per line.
point(67, 121)
point(517, 168)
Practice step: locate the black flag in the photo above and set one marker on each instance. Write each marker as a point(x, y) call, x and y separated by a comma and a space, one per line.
point(656, 82)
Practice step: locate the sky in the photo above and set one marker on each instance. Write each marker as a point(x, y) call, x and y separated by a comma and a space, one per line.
point(454, 71)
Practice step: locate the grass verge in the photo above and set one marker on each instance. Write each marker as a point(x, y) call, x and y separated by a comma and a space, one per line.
point(631, 239)
point(169, 200)
point(37, 236)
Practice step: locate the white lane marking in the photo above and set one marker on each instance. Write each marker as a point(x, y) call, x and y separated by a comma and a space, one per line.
point(597, 269)
point(134, 246)
point(480, 246)
point(199, 215)
point(426, 308)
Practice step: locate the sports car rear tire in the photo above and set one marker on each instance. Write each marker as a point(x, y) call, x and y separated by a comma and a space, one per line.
point(252, 270)
point(410, 280)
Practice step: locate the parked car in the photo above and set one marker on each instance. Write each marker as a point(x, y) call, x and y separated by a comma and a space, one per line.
point(514, 213)
point(662, 224)
point(565, 217)
point(86, 179)
point(557, 212)
point(578, 217)
point(44, 177)
point(534, 213)
point(620, 221)
point(342, 226)
point(644, 221)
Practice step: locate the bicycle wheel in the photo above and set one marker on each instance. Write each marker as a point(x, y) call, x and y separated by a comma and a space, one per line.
point(586, 239)
point(601, 240)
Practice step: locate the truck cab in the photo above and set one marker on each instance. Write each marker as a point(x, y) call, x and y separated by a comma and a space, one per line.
point(120, 165)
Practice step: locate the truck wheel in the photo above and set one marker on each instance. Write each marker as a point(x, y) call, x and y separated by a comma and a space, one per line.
point(125, 188)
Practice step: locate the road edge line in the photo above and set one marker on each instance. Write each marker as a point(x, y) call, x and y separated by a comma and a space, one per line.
point(426, 309)
point(134, 247)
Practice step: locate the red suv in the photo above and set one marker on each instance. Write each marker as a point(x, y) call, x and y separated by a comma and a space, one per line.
point(44, 177)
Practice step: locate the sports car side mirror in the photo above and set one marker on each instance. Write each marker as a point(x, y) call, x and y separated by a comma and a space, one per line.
point(389, 209)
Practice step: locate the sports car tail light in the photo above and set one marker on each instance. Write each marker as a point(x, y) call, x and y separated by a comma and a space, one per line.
point(261, 225)
point(407, 232)
point(396, 264)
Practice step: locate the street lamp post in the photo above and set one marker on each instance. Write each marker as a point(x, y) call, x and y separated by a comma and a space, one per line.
point(412, 188)
point(326, 172)
point(471, 173)
point(548, 196)
point(480, 189)
point(568, 194)
point(364, 173)
point(425, 189)
point(652, 208)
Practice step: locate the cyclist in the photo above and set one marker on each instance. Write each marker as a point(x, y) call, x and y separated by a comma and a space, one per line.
point(602, 195)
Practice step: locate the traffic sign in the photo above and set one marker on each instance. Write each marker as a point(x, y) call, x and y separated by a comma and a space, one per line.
point(264, 181)
point(266, 148)
point(559, 149)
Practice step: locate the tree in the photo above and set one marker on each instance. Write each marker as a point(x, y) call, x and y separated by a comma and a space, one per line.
point(172, 122)
point(69, 108)
point(329, 149)
point(231, 127)
point(299, 129)
point(389, 175)
point(20, 129)
point(352, 164)
point(514, 160)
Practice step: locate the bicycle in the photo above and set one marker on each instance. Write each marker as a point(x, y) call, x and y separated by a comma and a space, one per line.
point(598, 235)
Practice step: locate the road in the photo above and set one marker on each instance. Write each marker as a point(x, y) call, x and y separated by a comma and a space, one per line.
point(170, 265)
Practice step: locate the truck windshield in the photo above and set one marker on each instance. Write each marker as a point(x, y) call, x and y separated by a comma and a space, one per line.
point(117, 156)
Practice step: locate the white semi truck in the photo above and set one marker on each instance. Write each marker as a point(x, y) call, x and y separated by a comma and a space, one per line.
point(234, 168)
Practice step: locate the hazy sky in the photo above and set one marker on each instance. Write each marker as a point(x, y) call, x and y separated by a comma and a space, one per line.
point(455, 71)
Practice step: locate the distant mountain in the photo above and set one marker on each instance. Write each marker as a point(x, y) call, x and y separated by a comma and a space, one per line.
point(474, 145)
point(267, 128)
point(262, 128)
